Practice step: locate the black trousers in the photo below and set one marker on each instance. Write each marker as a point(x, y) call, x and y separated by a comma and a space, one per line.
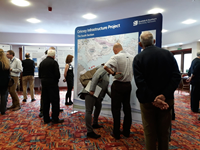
point(70, 84)
point(120, 94)
point(50, 94)
point(195, 97)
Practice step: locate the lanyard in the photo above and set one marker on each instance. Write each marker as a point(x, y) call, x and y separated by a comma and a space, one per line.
point(12, 61)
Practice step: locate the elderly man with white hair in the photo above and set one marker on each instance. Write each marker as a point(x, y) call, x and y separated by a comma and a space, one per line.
point(157, 76)
point(49, 74)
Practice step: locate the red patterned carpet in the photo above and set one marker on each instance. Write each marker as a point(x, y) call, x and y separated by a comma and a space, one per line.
point(24, 130)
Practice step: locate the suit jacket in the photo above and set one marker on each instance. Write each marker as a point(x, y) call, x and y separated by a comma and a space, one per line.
point(100, 78)
point(28, 67)
point(49, 72)
point(156, 72)
point(195, 70)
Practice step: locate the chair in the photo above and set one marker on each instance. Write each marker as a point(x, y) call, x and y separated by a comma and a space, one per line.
point(185, 85)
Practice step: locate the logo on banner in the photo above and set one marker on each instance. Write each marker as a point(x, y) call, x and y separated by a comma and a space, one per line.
point(145, 21)
point(135, 23)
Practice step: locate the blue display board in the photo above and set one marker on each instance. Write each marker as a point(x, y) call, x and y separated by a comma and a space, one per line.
point(94, 44)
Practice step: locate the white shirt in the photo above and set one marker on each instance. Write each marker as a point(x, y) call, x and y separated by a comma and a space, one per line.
point(122, 62)
point(16, 66)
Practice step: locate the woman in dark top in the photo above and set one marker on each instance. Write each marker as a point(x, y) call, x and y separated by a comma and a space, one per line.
point(4, 79)
point(69, 78)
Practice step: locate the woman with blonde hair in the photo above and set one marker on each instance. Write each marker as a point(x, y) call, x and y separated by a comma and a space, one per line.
point(4, 77)
point(69, 77)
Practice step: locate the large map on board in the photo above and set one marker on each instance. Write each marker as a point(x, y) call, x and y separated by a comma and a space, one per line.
point(92, 52)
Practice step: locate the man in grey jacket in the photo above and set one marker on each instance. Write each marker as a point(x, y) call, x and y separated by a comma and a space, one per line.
point(100, 78)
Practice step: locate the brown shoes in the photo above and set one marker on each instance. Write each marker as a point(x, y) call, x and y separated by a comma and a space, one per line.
point(16, 108)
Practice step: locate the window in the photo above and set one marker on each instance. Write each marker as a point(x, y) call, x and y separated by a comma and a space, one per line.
point(183, 58)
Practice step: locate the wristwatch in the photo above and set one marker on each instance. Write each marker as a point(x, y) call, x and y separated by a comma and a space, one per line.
point(114, 74)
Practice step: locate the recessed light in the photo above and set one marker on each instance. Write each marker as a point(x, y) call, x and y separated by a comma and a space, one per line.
point(189, 21)
point(198, 40)
point(89, 16)
point(180, 43)
point(163, 30)
point(155, 11)
point(40, 30)
point(21, 3)
point(33, 20)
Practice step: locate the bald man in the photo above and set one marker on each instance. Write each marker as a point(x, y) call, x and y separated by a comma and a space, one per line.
point(28, 77)
point(120, 66)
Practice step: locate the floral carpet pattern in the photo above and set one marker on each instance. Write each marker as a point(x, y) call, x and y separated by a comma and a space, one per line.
point(25, 130)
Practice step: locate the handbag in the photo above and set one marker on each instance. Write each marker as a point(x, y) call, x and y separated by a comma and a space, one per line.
point(11, 82)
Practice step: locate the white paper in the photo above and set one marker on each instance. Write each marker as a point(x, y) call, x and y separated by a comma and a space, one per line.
point(97, 90)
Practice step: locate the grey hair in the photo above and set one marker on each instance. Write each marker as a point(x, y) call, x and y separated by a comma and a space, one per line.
point(146, 38)
point(198, 54)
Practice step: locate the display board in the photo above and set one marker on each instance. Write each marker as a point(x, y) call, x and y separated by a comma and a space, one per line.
point(94, 46)
point(5, 47)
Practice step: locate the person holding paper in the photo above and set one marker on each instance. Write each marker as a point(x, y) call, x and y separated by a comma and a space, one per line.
point(100, 79)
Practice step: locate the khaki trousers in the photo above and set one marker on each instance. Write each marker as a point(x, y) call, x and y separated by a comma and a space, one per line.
point(25, 80)
point(156, 124)
point(13, 92)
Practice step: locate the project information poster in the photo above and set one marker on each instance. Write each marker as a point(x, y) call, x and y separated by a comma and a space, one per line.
point(94, 46)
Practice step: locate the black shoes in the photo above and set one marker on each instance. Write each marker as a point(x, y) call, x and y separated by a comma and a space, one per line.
point(33, 100)
point(68, 103)
point(24, 100)
point(46, 122)
point(40, 114)
point(115, 136)
point(96, 126)
point(61, 110)
point(126, 135)
point(93, 135)
point(58, 121)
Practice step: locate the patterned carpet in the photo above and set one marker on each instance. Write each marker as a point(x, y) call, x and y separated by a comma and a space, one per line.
point(24, 129)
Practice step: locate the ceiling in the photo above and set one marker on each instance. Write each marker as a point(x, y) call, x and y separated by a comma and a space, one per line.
point(66, 15)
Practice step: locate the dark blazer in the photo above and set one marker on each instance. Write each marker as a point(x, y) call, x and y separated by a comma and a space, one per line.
point(28, 67)
point(156, 72)
point(195, 70)
point(49, 72)
point(4, 77)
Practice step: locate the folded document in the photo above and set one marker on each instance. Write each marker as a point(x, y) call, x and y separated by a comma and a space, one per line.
point(97, 90)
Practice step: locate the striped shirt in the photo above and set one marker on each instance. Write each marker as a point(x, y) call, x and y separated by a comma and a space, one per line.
point(16, 66)
point(122, 62)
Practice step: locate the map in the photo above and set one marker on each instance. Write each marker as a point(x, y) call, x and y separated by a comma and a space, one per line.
point(92, 52)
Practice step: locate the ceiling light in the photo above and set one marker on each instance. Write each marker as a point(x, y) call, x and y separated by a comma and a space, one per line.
point(21, 3)
point(40, 30)
point(163, 30)
point(198, 40)
point(189, 21)
point(33, 20)
point(180, 43)
point(155, 11)
point(89, 16)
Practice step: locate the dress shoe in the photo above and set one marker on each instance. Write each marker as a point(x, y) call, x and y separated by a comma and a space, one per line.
point(58, 121)
point(2, 113)
point(126, 135)
point(33, 100)
point(93, 135)
point(11, 107)
point(66, 103)
point(40, 114)
point(24, 100)
point(96, 126)
point(70, 102)
point(16, 108)
point(116, 137)
point(61, 110)
point(46, 122)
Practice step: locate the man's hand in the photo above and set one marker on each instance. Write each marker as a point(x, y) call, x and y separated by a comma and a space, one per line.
point(160, 104)
point(161, 97)
point(10, 69)
point(91, 92)
point(188, 79)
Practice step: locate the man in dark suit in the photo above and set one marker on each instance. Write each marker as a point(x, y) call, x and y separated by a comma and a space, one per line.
point(28, 76)
point(194, 79)
point(49, 74)
point(157, 76)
